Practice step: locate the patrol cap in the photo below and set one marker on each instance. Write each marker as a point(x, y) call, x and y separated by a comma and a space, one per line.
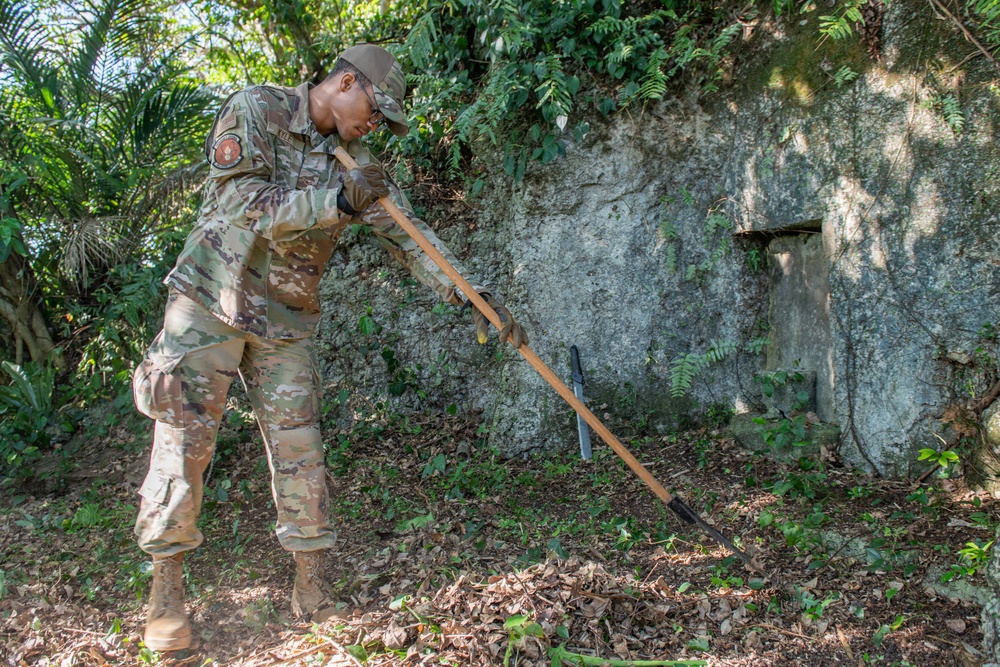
point(387, 77)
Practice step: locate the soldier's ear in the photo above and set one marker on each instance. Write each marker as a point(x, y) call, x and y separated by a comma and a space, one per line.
point(346, 81)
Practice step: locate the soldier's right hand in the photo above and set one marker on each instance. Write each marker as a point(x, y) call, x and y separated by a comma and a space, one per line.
point(361, 186)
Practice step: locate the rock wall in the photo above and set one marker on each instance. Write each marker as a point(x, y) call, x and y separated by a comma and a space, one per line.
point(786, 221)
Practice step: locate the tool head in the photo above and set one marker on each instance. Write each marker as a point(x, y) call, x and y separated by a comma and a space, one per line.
point(689, 516)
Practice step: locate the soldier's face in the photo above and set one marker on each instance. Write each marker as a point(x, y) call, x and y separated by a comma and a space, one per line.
point(357, 111)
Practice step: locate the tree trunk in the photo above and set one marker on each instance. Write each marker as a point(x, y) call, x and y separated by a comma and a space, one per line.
point(22, 312)
point(22, 309)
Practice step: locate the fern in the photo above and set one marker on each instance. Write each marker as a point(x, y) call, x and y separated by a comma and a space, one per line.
point(631, 39)
point(987, 13)
point(952, 113)
point(554, 96)
point(723, 39)
point(716, 221)
point(668, 229)
point(686, 367)
point(653, 84)
point(671, 260)
point(683, 370)
point(844, 76)
point(718, 351)
point(628, 93)
point(686, 52)
point(419, 42)
point(486, 113)
point(839, 27)
point(757, 345)
point(718, 253)
point(88, 516)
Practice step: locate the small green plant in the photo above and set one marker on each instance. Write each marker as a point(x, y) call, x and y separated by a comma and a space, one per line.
point(783, 432)
point(885, 629)
point(974, 555)
point(518, 627)
point(786, 430)
point(951, 111)
point(814, 608)
point(698, 644)
point(685, 367)
point(627, 534)
point(769, 382)
point(90, 515)
point(859, 492)
point(805, 484)
point(560, 655)
point(721, 577)
point(844, 76)
point(944, 458)
point(839, 26)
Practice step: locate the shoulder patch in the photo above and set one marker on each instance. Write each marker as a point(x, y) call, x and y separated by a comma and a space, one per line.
point(227, 151)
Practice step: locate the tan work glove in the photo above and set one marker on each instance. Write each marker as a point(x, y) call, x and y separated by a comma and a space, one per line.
point(511, 329)
point(361, 187)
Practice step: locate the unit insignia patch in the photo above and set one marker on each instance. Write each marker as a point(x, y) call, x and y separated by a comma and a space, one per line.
point(227, 152)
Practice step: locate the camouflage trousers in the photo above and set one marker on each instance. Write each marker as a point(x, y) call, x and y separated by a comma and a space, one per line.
point(182, 383)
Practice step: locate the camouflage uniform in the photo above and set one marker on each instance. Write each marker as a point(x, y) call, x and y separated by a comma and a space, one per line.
point(243, 299)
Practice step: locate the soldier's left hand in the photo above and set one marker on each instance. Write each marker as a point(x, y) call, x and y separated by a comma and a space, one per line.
point(511, 329)
point(362, 186)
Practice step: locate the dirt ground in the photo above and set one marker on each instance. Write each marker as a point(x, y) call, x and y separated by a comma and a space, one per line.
point(449, 555)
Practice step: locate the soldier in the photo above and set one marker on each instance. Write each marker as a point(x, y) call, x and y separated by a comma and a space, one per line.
point(243, 299)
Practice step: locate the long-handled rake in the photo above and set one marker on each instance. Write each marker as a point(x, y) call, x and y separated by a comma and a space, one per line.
point(679, 507)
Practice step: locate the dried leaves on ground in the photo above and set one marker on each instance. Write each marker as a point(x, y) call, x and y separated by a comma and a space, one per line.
point(452, 555)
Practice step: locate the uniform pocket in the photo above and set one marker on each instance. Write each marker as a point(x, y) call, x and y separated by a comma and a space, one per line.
point(155, 488)
point(156, 388)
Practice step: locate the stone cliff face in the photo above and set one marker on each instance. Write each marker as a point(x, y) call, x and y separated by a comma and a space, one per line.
point(787, 222)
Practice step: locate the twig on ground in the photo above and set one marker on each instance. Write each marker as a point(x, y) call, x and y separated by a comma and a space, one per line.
point(783, 631)
point(524, 591)
point(86, 632)
point(920, 480)
point(315, 649)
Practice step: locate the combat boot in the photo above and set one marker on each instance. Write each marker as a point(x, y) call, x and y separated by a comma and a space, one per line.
point(310, 597)
point(167, 626)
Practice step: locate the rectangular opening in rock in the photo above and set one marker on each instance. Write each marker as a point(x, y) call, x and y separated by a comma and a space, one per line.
point(799, 311)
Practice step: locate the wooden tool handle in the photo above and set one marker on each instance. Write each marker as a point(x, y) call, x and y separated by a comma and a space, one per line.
point(525, 351)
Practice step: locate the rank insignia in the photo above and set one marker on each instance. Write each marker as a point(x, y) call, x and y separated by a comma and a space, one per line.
point(228, 152)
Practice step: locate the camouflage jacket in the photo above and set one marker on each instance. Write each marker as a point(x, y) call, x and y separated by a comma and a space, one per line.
point(269, 220)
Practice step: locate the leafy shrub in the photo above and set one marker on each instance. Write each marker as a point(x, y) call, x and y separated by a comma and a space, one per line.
point(539, 64)
point(25, 415)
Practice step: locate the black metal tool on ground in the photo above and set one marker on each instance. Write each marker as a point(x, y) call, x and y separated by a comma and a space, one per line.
point(581, 424)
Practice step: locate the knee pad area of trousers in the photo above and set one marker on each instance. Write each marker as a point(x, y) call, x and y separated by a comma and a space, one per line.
point(303, 444)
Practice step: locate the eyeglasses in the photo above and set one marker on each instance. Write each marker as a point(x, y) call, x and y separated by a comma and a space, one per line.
point(377, 118)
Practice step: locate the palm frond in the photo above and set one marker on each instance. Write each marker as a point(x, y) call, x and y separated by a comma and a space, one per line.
point(23, 41)
point(91, 243)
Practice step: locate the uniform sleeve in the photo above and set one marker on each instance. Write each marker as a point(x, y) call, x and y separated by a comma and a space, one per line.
point(242, 162)
point(406, 250)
